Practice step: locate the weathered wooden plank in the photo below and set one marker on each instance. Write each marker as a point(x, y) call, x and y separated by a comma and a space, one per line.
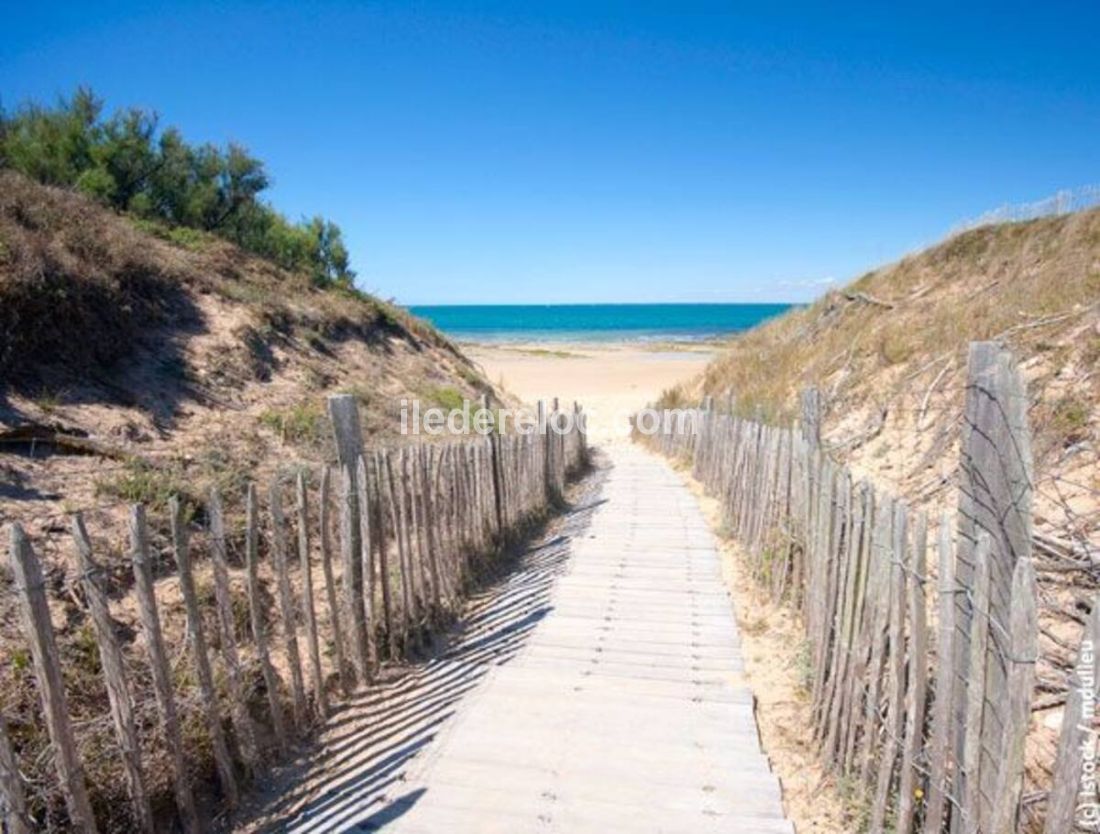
point(400, 535)
point(995, 494)
point(257, 613)
point(917, 677)
point(196, 639)
point(244, 727)
point(158, 662)
point(895, 702)
point(286, 606)
point(846, 636)
point(879, 619)
point(348, 432)
point(114, 674)
point(1077, 736)
point(811, 415)
point(31, 590)
point(14, 813)
point(325, 523)
point(976, 687)
point(379, 481)
point(351, 577)
point(366, 542)
point(1023, 640)
point(940, 749)
point(313, 643)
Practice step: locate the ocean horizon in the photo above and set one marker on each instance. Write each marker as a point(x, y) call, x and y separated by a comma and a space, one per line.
point(595, 322)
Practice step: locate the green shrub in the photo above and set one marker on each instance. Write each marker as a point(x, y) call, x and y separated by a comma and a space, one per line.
point(303, 423)
point(176, 190)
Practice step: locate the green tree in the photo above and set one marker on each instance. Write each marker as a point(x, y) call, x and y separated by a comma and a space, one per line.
point(126, 162)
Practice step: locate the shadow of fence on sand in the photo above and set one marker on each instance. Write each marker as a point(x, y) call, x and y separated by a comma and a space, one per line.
point(351, 779)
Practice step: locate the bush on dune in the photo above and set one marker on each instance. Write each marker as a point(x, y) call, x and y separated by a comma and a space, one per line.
point(128, 163)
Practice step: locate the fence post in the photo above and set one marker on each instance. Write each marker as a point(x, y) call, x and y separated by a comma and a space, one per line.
point(347, 430)
point(811, 416)
point(325, 524)
point(257, 612)
point(939, 744)
point(1084, 685)
point(918, 672)
point(351, 579)
point(367, 534)
point(114, 674)
point(994, 497)
point(227, 631)
point(497, 468)
point(286, 605)
point(313, 644)
point(51, 687)
point(1023, 641)
point(894, 720)
point(197, 639)
point(158, 661)
point(15, 815)
point(976, 687)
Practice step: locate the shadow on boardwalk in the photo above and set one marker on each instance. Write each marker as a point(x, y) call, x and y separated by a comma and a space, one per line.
point(351, 777)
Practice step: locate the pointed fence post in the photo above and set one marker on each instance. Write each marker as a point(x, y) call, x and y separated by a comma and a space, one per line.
point(158, 662)
point(243, 725)
point(286, 606)
point(31, 589)
point(257, 613)
point(314, 645)
point(114, 674)
point(325, 522)
point(196, 637)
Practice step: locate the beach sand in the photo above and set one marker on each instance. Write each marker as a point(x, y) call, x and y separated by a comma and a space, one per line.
point(610, 380)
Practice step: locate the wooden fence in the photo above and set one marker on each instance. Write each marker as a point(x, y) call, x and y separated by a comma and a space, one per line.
point(921, 675)
point(413, 522)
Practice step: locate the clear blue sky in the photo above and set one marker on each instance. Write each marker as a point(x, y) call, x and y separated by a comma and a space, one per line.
point(561, 151)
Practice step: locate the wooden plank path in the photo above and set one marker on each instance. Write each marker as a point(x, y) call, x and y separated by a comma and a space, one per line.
point(599, 690)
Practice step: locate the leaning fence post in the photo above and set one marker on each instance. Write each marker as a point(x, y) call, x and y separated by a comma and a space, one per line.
point(1076, 738)
point(114, 675)
point(158, 661)
point(47, 670)
point(286, 606)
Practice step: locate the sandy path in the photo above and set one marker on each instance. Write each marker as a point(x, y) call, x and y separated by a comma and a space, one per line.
point(611, 381)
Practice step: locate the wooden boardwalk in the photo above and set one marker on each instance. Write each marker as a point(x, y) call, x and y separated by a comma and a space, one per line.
point(599, 690)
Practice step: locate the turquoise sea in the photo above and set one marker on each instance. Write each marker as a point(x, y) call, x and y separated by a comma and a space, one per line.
point(595, 322)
